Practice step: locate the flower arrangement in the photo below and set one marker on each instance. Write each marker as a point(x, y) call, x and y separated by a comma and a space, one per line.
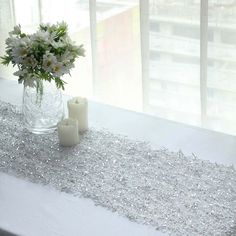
point(47, 54)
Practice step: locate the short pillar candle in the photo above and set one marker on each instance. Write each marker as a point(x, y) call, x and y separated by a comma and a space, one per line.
point(68, 132)
point(78, 109)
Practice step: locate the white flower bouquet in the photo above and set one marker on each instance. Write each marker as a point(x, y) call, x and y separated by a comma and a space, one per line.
point(47, 54)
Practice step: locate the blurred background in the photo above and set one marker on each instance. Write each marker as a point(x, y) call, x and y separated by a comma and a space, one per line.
point(145, 55)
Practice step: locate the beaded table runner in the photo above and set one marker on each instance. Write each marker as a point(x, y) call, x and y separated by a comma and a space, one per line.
point(176, 194)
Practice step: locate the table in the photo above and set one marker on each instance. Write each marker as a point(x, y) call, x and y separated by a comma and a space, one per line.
point(34, 210)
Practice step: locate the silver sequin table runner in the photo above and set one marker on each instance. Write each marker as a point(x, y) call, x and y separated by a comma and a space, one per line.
point(173, 193)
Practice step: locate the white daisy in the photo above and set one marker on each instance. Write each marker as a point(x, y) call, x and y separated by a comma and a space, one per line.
point(49, 62)
point(58, 69)
point(41, 36)
point(30, 61)
point(18, 54)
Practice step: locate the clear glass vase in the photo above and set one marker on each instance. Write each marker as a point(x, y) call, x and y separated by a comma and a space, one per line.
point(42, 107)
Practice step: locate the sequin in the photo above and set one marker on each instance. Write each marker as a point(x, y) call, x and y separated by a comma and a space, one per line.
point(174, 193)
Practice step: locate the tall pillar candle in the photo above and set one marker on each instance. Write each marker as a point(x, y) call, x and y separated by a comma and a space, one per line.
point(78, 109)
point(68, 132)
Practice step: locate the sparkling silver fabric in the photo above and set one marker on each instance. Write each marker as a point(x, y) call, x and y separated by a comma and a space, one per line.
point(174, 193)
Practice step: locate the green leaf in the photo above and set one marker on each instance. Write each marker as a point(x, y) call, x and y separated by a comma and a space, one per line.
point(5, 60)
point(59, 83)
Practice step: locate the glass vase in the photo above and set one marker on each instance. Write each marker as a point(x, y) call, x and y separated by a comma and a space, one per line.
point(42, 107)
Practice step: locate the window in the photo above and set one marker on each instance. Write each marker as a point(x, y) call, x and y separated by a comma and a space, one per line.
point(171, 58)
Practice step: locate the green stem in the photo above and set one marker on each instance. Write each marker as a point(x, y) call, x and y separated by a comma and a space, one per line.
point(39, 92)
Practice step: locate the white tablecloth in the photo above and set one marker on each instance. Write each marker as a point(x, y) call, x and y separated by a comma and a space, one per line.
point(34, 210)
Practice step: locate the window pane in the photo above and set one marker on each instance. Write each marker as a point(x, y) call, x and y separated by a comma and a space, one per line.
point(118, 81)
point(77, 17)
point(6, 23)
point(174, 60)
point(221, 86)
point(27, 14)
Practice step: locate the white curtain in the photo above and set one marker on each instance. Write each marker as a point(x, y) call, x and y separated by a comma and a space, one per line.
point(175, 59)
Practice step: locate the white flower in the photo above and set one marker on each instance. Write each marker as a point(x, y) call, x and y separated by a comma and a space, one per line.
point(68, 67)
point(58, 69)
point(58, 44)
point(16, 30)
point(19, 48)
point(67, 57)
point(18, 54)
point(12, 42)
point(48, 53)
point(67, 40)
point(23, 72)
point(49, 62)
point(25, 42)
point(30, 61)
point(41, 36)
point(80, 50)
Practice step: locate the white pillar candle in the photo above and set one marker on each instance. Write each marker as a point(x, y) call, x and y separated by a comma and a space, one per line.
point(78, 109)
point(68, 132)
